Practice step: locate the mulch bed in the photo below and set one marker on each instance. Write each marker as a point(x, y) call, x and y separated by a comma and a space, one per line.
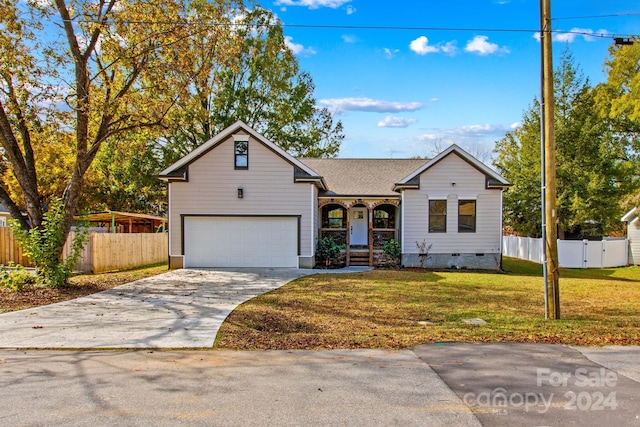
point(79, 286)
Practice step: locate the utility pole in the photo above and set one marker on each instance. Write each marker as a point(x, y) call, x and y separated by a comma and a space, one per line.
point(552, 276)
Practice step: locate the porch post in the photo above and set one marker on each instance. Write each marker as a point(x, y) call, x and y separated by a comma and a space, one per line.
point(370, 236)
point(348, 238)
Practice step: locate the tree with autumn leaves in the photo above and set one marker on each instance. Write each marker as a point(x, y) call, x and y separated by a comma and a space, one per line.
point(80, 76)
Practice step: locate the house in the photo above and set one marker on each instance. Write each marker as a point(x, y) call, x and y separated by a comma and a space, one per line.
point(5, 216)
point(126, 222)
point(239, 200)
point(633, 235)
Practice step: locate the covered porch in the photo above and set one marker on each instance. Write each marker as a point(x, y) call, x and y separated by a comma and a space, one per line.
point(362, 225)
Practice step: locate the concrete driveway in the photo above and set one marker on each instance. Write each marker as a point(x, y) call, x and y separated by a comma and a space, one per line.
point(179, 309)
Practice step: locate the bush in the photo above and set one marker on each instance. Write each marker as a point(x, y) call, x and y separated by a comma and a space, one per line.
point(44, 245)
point(392, 250)
point(15, 278)
point(327, 250)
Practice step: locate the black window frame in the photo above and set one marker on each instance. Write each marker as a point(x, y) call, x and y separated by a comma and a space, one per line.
point(441, 216)
point(471, 227)
point(389, 221)
point(238, 154)
point(326, 219)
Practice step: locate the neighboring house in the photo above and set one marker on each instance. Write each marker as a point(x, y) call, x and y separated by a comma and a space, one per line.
point(4, 216)
point(125, 222)
point(239, 200)
point(633, 235)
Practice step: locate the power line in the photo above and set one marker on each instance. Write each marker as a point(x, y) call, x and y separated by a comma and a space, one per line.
point(361, 27)
point(612, 15)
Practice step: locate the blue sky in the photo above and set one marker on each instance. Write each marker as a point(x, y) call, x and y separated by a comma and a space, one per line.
point(402, 93)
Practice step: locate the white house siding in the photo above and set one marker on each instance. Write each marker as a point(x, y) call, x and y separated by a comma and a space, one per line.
point(268, 189)
point(452, 249)
point(316, 221)
point(633, 234)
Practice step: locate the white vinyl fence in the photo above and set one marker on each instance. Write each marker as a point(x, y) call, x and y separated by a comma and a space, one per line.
point(571, 253)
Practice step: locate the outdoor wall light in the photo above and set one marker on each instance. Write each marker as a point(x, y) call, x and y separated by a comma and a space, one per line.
point(240, 193)
point(453, 183)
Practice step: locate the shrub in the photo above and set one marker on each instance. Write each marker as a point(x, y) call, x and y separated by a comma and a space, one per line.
point(392, 250)
point(15, 278)
point(44, 245)
point(327, 250)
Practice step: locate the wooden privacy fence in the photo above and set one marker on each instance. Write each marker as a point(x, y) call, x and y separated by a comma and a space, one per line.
point(10, 251)
point(571, 253)
point(103, 252)
point(122, 251)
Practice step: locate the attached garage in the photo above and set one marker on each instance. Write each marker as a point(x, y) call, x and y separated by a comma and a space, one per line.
point(241, 241)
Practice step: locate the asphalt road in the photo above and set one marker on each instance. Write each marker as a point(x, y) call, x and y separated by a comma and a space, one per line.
point(430, 385)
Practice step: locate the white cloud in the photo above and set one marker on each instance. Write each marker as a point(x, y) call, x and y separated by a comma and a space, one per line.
point(395, 122)
point(349, 38)
point(467, 132)
point(479, 130)
point(390, 53)
point(421, 46)
point(571, 35)
point(297, 48)
point(351, 10)
point(313, 4)
point(481, 46)
point(369, 105)
point(429, 137)
point(449, 48)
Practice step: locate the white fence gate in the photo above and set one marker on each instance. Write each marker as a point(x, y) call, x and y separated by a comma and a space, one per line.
point(571, 253)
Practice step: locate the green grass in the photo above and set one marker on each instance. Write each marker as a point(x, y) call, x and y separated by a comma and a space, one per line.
point(383, 308)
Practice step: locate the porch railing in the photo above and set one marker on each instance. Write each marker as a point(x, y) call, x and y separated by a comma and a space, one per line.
point(380, 235)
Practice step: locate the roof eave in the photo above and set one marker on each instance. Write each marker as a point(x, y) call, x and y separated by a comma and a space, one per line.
point(317, 180)
point(399, 187)
point(629, 215)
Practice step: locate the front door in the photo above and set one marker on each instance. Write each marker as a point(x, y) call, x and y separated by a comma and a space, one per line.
point(359, 229)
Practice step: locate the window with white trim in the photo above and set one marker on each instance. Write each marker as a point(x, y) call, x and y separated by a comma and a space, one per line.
point(241, 154)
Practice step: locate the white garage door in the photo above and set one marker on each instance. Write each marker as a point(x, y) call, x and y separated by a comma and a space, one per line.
point(241, 241)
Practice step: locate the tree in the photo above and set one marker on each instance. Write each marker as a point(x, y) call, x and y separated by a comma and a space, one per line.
point(594, 167)
point(618, 99)
point(619, 96)
point(83, 73)
point(263, 87)
point(518, 159)
point(123, 176)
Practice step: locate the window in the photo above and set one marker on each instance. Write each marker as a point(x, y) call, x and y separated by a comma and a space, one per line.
point(437, 216)
point(334, 216)
point(241, 150)
point(466, 216)
point(384, 217)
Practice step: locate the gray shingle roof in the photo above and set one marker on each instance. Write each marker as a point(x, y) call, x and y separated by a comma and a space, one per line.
point(363, 177)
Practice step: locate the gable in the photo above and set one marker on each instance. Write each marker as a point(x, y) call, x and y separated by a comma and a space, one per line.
point(491, 178)
point(179, 171)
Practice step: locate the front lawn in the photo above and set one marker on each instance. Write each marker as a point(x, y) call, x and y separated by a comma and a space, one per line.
point(398, 309)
